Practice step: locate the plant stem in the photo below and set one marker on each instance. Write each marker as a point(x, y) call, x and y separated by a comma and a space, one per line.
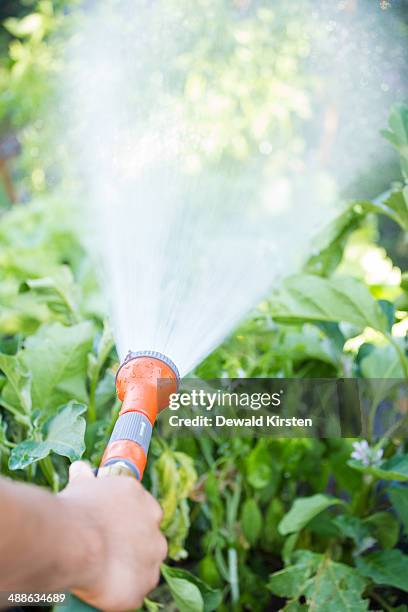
point(50, 474)
point(91, 404)
point(233, 574)
point(232, 514)
point(390, 431)
point(381, 601)
point(361, 501)
point(20, 418)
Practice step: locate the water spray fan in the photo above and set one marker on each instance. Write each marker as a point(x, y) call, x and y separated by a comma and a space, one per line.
point(144, 382)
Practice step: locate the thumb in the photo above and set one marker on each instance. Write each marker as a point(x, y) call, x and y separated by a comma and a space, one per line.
point(80, 470)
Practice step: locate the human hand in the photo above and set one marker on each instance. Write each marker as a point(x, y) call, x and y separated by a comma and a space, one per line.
point(123, 546)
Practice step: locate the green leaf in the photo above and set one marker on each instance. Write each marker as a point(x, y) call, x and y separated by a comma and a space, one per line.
point(18, 385)
point(388, 567)
point(259, 468)
point(384, 527)
point(211, 597)
point(353, 527)
point(63, 434)
point(398, 134)
point(57, 358)
point(209, 572)
point(152, 606)
point(105, 393)
point(185, 592)
point(332, 240)
point(382, 362)
point(290, 582)
point(104, 347)
point(325, 584)
point(399, 500)
point(395, 468)
point(336, 587)
point(309, 343)
point(396, 207)
point(173, 478)
point(251, 521)
point(59, 291)
point(303, 510)
point(312, 298)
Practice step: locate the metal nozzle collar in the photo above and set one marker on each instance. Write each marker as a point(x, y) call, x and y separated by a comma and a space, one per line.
point(154, 355)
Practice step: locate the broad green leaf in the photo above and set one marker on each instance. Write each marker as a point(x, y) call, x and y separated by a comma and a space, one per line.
point(311, 298)
point(211, 597)
point(251, 521)
point(398, 134)
point(395, 207)
point(332, 240)
point(105, 393)
point(303, 510)
point(336, 587)
point(259, 468)
point(325, 584)
point(271, 538)
point(17, 391)
point(295, 606)
point(152, 606)
point(399, 500)
point(57, 358)
point(104, 346)
point(63, 434)
point(59, 291)
point(291, 581)
point(209, 571)
point(186, 594)
point(395, 468)
point(353, 527)
point(384, 527)
point(309, 343)
point(322, 525)
point(382, 362)
point(28, 452)
point(388, 567)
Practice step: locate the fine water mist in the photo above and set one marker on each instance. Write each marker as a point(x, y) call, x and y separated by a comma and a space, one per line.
point(212, 142)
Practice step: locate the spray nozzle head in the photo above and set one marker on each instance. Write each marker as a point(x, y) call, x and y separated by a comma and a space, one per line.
point(144, 382)
point(153, 355)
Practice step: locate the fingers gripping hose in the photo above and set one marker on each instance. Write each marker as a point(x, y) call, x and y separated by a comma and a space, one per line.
point(144, 383)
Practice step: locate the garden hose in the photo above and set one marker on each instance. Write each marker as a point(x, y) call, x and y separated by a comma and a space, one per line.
point(144, 382)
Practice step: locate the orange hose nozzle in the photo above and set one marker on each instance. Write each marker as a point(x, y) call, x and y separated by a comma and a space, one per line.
point(144, 383)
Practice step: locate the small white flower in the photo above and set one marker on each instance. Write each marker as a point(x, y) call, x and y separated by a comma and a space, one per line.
point(368, 456)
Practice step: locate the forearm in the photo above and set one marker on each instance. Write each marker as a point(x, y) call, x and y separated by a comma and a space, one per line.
point(43, 544)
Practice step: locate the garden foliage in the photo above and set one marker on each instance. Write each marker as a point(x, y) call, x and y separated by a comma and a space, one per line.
point(292, 524)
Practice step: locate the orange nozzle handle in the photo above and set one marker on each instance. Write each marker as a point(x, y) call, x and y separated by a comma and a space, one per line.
point(144, 383)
